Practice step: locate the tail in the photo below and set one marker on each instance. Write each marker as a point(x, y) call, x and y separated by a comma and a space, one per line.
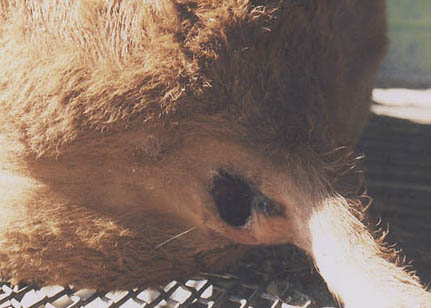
point(360, 270)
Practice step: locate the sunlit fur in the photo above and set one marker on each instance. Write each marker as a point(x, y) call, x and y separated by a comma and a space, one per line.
point(115, 116)
point(350, 259)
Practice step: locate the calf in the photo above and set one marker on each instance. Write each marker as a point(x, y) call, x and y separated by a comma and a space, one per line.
point(145, 140)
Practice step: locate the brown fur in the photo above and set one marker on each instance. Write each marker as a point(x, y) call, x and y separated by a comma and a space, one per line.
point(117, 115)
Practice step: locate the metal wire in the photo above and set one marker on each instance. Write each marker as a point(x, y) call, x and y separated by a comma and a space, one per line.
point(227, 290)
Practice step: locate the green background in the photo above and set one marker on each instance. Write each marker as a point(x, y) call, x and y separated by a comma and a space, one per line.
point(408, 63)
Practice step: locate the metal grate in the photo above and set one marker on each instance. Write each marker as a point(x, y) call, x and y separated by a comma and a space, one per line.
point(195, 293)
point(257, 281)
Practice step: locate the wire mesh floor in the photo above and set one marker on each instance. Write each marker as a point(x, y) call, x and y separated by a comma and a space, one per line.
point(193, 293)
point(225, 291)
point(271, 277)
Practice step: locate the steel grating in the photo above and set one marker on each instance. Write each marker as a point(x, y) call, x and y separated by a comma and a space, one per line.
point(258, 282)
point(195, 293)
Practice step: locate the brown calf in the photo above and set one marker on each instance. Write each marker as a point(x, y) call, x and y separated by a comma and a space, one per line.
point(126, 123)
